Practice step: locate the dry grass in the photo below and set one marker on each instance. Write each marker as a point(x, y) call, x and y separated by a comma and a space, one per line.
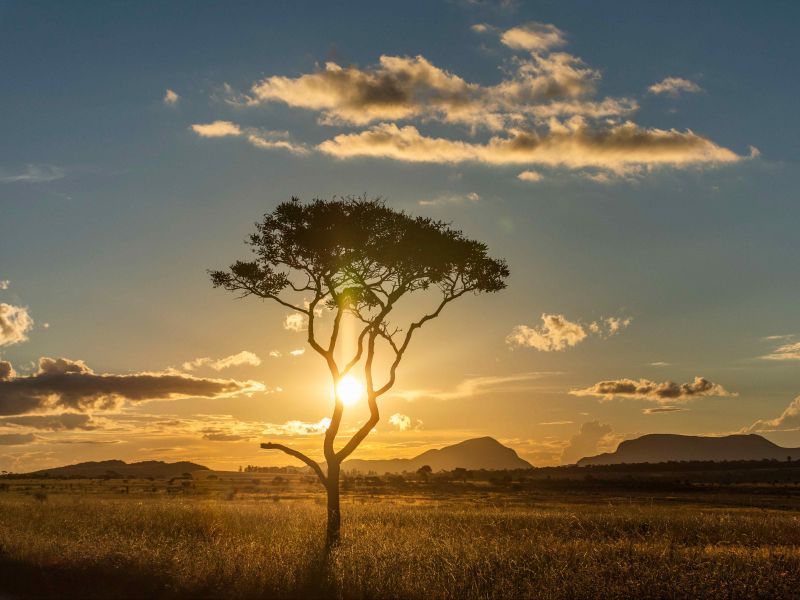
point(78, 546)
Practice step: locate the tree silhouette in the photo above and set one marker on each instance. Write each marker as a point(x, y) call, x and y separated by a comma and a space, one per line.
point(357, 257)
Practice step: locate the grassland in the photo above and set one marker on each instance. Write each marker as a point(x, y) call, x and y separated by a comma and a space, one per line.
point(144, 539)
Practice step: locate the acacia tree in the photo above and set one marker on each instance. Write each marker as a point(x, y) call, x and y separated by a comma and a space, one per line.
point(358, 257)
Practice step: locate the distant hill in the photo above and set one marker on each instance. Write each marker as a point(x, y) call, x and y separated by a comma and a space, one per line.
point(479, 453)
point(117, 468)
point(664, 447)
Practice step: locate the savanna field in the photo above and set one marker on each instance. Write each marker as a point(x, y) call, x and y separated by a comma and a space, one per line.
point(261, 537)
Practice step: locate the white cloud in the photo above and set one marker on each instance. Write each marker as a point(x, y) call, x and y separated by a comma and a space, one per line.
point(4, 284)
point(34, 174)
point(15, 323)
point(298, 352)
point(295, 322)
point(171, 98)
point(298, 428)
point(234, 360)
point(673, 86)
point(556, 333)
point(217, 129)
point(451, 199)
point(789, 351)
point(789, 420)
point(534, 37)
point(275, 353)
point(530, 176)
point(400, 421)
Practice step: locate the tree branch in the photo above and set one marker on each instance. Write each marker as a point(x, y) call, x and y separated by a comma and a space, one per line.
point(300, 456)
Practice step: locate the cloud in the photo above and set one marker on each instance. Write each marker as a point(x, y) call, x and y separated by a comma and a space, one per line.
point(234, 360)
point(789, 351)
point(586, 442)
point(673, 86)
point(4, 284)
point(534, 37)
point(789, 420)
point(297, 428)
point(530, 176)
point(217, 129)
point(171, 98)
point(574, 145)
point(6, 370)
point(557, 423)
point(298, 352)
point(644, 389)
point(275, 353)
point(34, 174)
point(663, 409)
point(451, 199)
point(660, 363)
point(16, 439)
point(62, 422)
point(543, 112)
point(472, 386)
point(295, 322)
point(15, 323)
point(259, 138)
point(556, 333)
point(400, 421)
point(70, 384)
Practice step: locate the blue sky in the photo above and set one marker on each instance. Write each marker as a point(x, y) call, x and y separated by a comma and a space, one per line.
point(113, 207)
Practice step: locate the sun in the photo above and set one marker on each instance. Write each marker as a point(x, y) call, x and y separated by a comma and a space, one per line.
point(350, 390)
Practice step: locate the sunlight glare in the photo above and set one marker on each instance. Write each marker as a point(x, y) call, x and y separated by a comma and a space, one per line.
point(350, 390)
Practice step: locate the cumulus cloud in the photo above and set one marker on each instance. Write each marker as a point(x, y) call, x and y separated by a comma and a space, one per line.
point(62, 422)
point(33, 174)
point(62, 383)
point(644, 389)
point(534, 37)
point(558, 333)
point(234, 360)
point(15, 323)
point(295, 322)
point(673, 86)
point(543, 112)
point(591, 436)
point(16, 439)
point(6, 370)
point(171, 98)
point(4, 284)
point(400, 421)
point(789, 351)
point(789, 420)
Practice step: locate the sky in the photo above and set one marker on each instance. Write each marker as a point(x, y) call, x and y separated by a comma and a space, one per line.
point(635, 164)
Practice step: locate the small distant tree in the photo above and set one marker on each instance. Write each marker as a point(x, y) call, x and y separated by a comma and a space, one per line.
point(357, 257)
point(425, 472)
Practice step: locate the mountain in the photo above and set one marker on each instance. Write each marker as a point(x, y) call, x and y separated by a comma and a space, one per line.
point(479, 453)
point(664, 447)
point(117, 468)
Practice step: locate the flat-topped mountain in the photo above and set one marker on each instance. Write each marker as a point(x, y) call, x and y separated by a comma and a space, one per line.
point(118, 468)
point(479, 453)
point(665, 447)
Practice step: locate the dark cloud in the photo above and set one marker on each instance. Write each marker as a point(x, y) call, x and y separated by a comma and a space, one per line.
point(62, 422)
point(67, 384)
point(16, 439)
point(644, 389)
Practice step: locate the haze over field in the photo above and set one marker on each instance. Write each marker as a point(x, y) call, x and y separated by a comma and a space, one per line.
point(638, 177)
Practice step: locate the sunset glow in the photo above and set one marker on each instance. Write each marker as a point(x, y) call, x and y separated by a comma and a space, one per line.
point(350, 390)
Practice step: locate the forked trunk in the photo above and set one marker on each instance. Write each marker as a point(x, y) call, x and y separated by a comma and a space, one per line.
point(334, 514)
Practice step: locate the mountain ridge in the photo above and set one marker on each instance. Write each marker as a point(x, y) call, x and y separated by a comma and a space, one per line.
point(475, 454)
point(116, 467)
point(666, 447)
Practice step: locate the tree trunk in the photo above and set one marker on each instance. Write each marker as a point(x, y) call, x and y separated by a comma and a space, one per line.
point(334, 515)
